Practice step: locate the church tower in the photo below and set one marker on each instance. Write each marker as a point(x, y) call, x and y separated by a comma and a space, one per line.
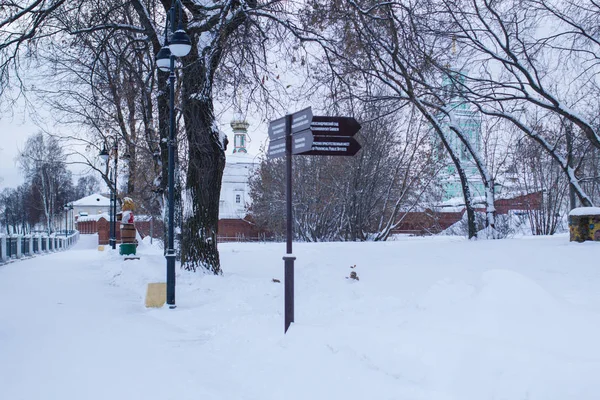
point(469, 122)
point(240, 134)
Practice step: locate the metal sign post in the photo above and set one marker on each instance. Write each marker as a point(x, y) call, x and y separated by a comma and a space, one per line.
point(288, 259)
point(301, 133)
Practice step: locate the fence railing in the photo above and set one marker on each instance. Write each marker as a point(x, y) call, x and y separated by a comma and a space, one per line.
point(18, 246)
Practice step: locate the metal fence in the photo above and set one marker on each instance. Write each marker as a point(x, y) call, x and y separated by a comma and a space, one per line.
point(13, 247)
point(17, 246)
point(25, 245)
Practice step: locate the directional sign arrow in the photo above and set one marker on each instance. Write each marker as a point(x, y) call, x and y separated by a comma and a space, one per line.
point(277, 129)
point(301, 120)
point(276, 148)
point(302, 141)
point(334, 126)
point(333, 146)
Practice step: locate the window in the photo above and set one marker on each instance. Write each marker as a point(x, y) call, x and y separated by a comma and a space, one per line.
point(238, 198)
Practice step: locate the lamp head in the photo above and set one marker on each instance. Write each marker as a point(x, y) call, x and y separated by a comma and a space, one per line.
point(180, 43)
point(163, 59)
point(103, 154)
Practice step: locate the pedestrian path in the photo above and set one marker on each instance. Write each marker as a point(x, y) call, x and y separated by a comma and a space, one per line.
point(67, 333)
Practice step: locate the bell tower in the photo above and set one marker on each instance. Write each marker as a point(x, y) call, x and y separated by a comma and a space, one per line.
point(240, 134)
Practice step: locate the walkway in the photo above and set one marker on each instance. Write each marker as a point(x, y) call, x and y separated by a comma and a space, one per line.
point(66, 333)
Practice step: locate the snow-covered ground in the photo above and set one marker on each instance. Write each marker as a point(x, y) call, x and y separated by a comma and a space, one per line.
point(431, 318)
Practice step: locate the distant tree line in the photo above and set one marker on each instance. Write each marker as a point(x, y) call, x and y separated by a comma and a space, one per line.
point(528, 68)
point(38, 204)
point(364, 197)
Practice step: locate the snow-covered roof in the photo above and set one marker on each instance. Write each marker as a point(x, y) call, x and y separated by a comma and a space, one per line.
point(95, 217)
point(93, 200)
point(460, 201)
point(585, 211)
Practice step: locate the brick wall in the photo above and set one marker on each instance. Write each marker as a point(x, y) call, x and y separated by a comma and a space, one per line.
point(427, 222)
point(239, 229)
point(531, 201)
point(87, 227)
point(104, 231)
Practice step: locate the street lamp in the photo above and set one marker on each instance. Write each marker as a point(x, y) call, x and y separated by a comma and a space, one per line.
point(68, 207)
point(105, 156)
point(179, 46)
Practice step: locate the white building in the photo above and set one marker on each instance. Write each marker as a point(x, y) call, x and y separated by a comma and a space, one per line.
point(238, 167)
point(91, 205)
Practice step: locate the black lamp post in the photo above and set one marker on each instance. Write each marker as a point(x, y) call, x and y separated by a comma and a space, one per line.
point(68, 207)
point(66, 219)
point(179, 46)
point(113, 193)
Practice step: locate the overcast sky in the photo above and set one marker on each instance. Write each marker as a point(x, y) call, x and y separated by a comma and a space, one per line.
point(15, 129)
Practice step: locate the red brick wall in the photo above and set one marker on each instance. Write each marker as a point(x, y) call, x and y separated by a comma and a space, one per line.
point(431, 222)
point(427, 222)
point(87, 227)
point(532, 201)
point(238, 229)
point(104, 231)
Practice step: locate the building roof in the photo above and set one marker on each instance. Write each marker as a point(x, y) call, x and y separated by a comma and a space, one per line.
point(93, 200)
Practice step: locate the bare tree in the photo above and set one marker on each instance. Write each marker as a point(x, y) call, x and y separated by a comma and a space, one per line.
point(539, 174)
point(220, 31)
point(364, 197)
point(392, 46)
point(43, 163)
point(521, 63)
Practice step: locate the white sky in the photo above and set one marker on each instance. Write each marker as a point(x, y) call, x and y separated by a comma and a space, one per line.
point(14, 131)
point(16, 128)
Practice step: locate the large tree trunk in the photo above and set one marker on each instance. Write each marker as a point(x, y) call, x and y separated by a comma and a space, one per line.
point(206, 162)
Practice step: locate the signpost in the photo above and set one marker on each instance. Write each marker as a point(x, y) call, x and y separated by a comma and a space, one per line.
point(301, 133)
point(301, 120)
point(277, 129)
point(334, 126)
point(325, 145)
point(276, 148)
point(302, 142)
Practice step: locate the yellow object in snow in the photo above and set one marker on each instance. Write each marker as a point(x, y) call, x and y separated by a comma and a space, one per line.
point(100, 248)
point(156, 295)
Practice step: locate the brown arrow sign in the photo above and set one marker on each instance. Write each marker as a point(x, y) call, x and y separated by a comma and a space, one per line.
point(332, 146)
point(334, 126)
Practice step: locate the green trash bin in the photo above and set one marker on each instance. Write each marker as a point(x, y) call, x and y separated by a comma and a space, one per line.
point(127, 249)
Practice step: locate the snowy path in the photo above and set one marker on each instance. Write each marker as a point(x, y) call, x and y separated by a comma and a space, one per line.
point(430, 319)
point(76, 337)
